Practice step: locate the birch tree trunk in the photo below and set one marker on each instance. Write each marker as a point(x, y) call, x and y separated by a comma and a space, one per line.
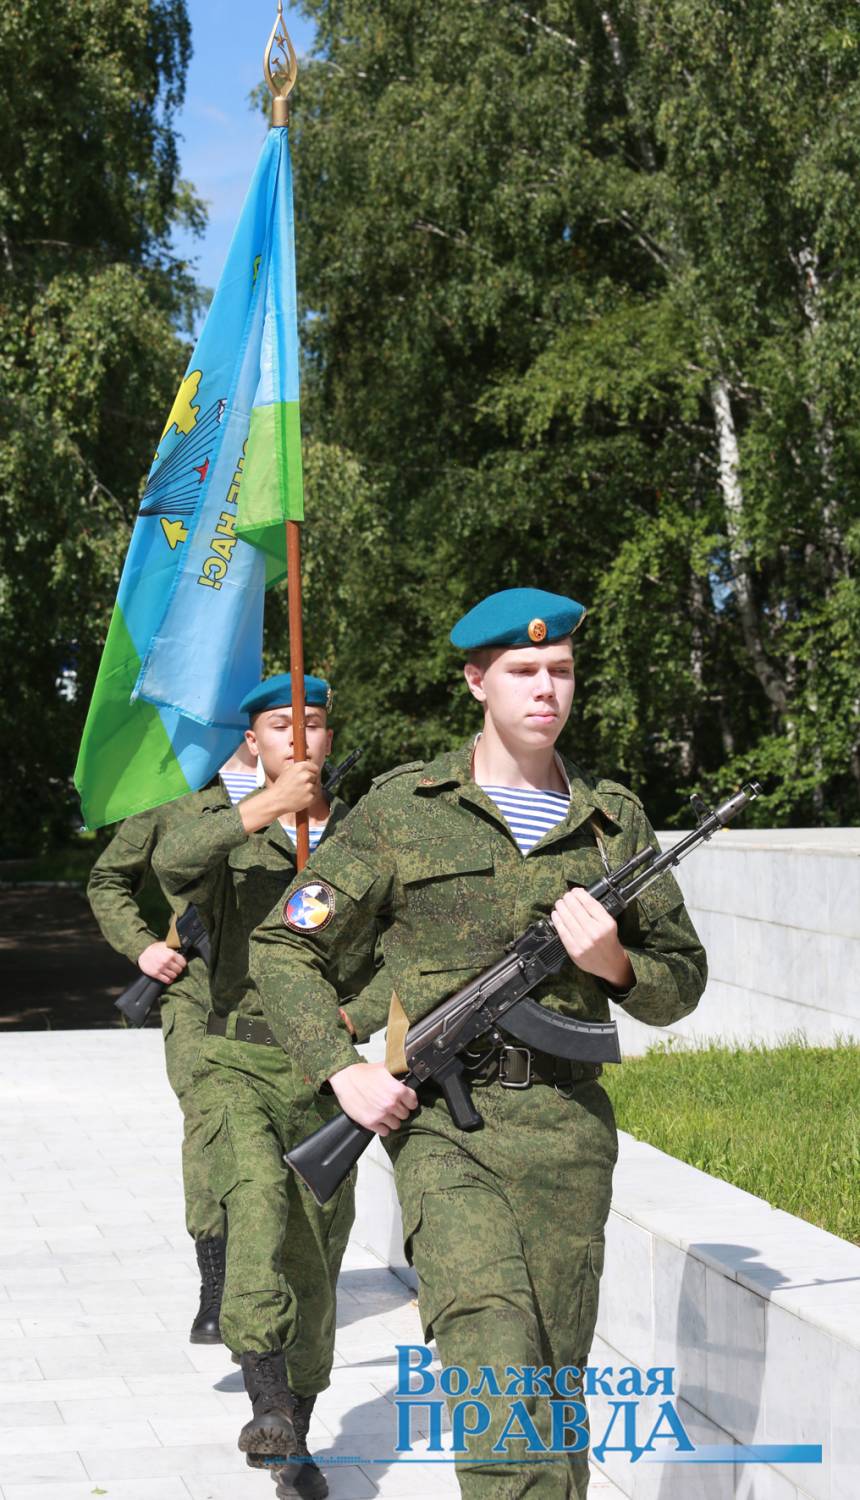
point(806, 263)
point(733, 502)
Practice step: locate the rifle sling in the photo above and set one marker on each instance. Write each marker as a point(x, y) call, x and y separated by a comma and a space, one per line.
point(395, 1036)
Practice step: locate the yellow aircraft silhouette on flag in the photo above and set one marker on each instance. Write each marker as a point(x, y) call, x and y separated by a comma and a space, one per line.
point(183, 414)
point(174, 531)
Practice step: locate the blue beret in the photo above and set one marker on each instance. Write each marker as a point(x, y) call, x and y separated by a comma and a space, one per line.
point(277, 692)
point(517, 617)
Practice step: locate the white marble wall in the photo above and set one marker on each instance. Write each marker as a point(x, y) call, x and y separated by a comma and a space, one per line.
point(758, 1311)
point(778, 911)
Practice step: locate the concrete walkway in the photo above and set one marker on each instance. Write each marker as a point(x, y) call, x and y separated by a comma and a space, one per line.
point(100, 1392)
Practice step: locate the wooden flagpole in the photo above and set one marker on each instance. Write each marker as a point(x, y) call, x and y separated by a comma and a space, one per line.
point(297, 674)
point(281, 72)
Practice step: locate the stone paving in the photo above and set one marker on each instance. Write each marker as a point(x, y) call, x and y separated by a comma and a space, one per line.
point(100, 1392)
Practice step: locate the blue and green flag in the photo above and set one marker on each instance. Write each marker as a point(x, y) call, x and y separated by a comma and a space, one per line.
point(185, 640)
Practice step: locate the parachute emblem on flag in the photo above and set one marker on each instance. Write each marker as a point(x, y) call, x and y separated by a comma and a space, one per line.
point(174, 488)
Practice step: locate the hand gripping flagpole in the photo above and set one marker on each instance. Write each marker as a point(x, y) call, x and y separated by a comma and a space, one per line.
point(281, 67)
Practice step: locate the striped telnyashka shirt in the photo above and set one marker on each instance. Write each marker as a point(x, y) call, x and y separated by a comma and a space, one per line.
point(314, 835)
point(528, 814)
point(239, 784)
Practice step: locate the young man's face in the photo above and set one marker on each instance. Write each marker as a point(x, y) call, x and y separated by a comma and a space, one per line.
point(271, 737)
point(528, 692)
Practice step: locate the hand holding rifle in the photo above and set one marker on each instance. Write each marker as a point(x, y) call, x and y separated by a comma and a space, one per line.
point(161, 962)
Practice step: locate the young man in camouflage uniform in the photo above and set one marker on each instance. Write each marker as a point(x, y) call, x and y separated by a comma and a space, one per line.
point(115, 882)
point(283, 1251)
point(504, 1225)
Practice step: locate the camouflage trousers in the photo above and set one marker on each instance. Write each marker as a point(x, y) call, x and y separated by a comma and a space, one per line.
point(183, 1025)
point(283, 1250)
point(504, 1226)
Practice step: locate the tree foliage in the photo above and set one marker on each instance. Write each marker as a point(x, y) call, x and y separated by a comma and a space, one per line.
point(90, 301)
point(581, 285)
point(581, 302)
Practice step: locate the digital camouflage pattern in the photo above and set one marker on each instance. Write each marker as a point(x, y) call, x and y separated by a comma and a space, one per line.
point(429, 855)
point(504, 1225)
point(283, 1250)
point(233, 879)
point(115, 881)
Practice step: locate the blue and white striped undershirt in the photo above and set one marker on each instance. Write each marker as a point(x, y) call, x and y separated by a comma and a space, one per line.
point(528, 814)
point(314, 836)
point(239, 784)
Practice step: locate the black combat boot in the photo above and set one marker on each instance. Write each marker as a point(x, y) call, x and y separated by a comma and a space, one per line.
point(212, 1261)
point(303, 1479)
point(270, 1432)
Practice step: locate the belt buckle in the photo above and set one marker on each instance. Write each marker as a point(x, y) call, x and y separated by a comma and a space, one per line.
point(504, 1080)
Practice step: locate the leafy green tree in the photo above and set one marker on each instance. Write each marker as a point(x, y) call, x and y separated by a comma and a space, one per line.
point(90, 302)
point(581, 309)
point(581, 294)
point(746, 119)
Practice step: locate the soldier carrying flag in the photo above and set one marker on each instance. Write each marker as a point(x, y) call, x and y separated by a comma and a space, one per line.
point(218, 523)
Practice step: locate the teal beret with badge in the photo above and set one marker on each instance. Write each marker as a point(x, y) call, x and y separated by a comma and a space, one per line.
point(517, 617)
point(277, 692)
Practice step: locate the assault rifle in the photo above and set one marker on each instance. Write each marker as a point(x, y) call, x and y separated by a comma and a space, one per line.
point(137, 1001)
point(335, 777)
point(495, 1006)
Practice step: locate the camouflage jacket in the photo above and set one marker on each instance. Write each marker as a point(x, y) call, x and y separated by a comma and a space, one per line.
point(118, 876)
point(428, 855)
point(233, 878)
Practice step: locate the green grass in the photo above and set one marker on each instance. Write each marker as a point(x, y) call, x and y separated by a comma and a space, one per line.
point(783, 1123)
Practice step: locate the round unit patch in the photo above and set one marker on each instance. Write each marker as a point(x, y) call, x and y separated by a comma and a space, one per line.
point(310, 908)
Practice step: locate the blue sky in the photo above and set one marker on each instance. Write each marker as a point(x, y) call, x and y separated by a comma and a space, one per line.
point(220, 136)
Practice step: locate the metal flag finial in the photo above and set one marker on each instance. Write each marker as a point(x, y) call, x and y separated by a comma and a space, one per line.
point(280, 67)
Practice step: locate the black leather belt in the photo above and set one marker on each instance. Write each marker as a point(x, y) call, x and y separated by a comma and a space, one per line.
point(515, 1066)
point(247, 1030)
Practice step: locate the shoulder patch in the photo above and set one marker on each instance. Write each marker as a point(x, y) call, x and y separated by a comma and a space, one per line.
point(310, 908)
point(412, 765)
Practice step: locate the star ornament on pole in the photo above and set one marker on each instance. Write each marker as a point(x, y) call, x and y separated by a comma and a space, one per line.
point(280, 68)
